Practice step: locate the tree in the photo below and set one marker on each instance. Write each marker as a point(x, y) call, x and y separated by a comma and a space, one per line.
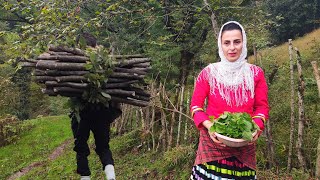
point(292, 18)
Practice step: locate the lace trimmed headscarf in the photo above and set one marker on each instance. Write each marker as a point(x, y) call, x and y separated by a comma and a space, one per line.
point(234, 80)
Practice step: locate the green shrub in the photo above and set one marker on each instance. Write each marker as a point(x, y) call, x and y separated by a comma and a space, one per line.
point(10, 128)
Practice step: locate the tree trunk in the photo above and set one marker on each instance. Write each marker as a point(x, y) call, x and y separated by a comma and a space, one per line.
point(186, 122)
point(215, 27)
point(146, 118)
point(317, 77)
point(173, 119)
point(180, 115)
point(164, 131)
point(153, 115)
point(316, 74)
point(123, 118)
point(270, 146)
point(255, 53)
point(318, 161)
point(302, 120)
point(292, 120)
point(143, 122)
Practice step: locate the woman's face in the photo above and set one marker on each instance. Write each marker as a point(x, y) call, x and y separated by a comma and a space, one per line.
point(231, 43)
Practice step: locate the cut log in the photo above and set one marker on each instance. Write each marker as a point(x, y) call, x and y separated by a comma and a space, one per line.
point(60, 53)
point(49, 92)
point(142, 65)
point(117, 80)
point(139, 91)
point(119, 92)
point(130, 71)
point(39, 73)
point(53, 65)
point(44, 78)
point(126, 56)
point(69, 94)
point(130, 101)
point(131, 62)
point(63, 71)
point(120, 85)
point(43, 55)
point(67, 84)
point(59, 73)
point(71, 79)
point(142, 69)
point(63, 58)
point(68, 90)
point(75, 51)
point(139, 97)
point(27, 64)
point(125, 75)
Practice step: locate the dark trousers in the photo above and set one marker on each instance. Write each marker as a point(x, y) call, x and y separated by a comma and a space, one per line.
point(98, 121)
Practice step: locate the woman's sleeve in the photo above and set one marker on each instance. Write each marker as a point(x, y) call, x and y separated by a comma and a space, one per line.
point(200, 93)
point(261, 106)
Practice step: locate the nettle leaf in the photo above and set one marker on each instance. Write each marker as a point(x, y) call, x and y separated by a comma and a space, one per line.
point(220, 129)
point(247, 135)
point(247, 125)
point(88, 66)
point(234, 125)
point(106, 95)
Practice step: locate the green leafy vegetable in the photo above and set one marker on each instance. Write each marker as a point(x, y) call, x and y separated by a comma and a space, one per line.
point(235, 125)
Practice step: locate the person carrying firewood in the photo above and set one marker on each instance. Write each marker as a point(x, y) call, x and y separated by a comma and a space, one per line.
point(95, 117)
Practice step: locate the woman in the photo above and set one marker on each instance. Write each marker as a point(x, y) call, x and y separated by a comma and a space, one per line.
point(231, 85)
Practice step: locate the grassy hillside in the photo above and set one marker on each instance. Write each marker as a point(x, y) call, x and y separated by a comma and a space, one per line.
point(308, 45)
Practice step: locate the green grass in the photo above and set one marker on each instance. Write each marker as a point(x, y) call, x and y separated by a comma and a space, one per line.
point(34, 145)
point(130, 162)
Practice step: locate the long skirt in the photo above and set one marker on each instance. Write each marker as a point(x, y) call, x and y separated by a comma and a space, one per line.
point(225, 169)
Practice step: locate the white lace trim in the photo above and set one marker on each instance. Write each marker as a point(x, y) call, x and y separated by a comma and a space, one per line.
point(235, 87)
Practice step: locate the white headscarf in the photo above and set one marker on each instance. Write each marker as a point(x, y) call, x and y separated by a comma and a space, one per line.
point(234, 80)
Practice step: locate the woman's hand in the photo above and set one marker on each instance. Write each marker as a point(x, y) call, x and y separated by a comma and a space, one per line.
point(208, 124)
point(255, 138)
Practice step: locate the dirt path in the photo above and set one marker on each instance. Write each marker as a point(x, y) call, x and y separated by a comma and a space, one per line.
point(56, 153)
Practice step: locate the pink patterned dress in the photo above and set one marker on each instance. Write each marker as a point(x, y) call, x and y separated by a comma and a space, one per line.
point(214, 161)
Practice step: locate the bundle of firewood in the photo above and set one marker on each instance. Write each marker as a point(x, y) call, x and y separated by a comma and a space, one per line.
point(63, 72)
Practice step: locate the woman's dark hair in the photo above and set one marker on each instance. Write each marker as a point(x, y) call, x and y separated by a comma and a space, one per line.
point(231, 26)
